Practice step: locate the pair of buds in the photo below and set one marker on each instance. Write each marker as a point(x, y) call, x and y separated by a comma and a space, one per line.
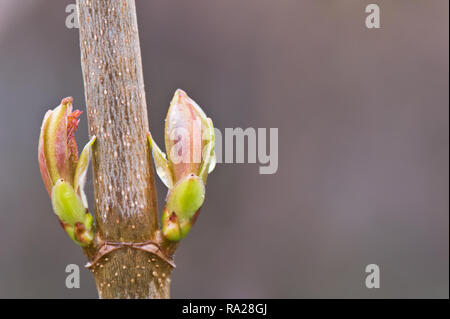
point(189, 139)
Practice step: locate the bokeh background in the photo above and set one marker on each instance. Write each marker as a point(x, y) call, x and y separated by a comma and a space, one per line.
point(363, 144)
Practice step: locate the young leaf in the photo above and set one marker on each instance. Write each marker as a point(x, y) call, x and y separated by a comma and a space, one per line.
point(162, 166)
point(81, 170)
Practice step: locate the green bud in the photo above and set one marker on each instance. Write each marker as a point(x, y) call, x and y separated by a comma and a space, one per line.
point(185, 227)
point(182, 206)
point(174, 228)
point(170, 226)
point(72, 214)
point(186, 197)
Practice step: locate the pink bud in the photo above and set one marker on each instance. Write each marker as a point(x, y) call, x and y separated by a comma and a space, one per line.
point(185, 124)
point(57, 153)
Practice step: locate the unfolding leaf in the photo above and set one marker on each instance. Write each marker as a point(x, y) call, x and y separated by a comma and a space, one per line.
point(162, 166)
point(81, 170)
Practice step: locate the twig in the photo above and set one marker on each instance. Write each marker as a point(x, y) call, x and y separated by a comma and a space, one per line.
point(125, 196)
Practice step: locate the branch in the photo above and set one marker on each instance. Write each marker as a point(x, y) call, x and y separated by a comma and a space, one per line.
point(125, 196)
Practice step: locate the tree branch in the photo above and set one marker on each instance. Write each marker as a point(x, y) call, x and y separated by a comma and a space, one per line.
point(125, 196)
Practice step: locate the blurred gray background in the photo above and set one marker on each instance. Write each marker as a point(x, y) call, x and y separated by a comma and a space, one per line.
point(363, 144)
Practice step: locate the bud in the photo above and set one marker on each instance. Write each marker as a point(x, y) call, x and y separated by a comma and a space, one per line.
point(174, 228)
point(189, 136)
point(63, 172)
point(183, 203)
point(72, 213)
point(186, 197)
point(189, 139)
point(170, 226)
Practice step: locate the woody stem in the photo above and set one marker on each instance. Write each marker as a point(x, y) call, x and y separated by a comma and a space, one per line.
point(125, 196)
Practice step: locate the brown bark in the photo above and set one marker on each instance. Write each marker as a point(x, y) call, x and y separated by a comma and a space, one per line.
point(125, 196)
